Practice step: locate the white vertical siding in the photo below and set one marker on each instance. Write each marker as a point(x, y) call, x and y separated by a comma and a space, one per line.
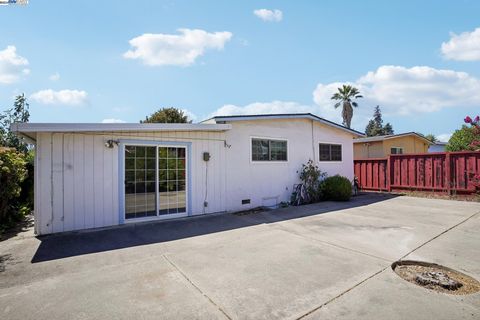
point(68, 183)
point(77, 183)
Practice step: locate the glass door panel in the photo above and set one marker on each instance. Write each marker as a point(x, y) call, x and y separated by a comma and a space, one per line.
point(171, 180)
point(140, 179)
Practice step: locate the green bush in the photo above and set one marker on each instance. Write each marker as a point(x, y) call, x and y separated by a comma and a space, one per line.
point(336, 188)
point(13, 172)
point(462, 139)
point(311, 176)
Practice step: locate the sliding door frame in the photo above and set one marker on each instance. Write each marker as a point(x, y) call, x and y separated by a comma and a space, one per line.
point(121, 178)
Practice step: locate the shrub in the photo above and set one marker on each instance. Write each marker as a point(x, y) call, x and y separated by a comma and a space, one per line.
point(336, 188)
point(13, 172)
point(462, 139)
point(311, 176)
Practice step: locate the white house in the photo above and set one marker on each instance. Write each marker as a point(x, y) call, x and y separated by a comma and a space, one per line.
point(96, 175)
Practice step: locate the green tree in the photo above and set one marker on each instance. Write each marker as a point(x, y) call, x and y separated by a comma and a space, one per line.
point(19, 113)
point(375, 126)
point(431, 137)
point(345, 96)
point(462, 139)
point(167, 115)
point(388, 129)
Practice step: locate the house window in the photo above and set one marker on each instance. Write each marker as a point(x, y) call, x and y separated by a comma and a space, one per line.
point(269, 150)
point(330, 152)
point(396, 150)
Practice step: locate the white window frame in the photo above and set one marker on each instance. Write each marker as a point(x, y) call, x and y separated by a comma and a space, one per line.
point(401, 148)
point(329, 142)
point(273, 139)
point(157, 144)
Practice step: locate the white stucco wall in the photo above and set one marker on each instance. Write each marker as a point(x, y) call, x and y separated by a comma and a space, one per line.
point(77, 177)
point(265, 183)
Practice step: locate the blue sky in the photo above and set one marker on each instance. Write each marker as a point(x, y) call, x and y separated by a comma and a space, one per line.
point(87, 61)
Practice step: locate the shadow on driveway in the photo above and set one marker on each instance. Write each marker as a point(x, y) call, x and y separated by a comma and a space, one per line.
point(71, 244)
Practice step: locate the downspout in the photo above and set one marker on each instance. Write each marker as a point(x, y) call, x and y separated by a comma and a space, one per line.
point(313, 144)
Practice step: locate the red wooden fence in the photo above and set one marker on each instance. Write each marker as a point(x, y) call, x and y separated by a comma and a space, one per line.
point(435, 172)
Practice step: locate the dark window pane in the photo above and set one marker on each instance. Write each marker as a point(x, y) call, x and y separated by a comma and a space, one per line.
point(162, 152)
point(140, 164)
point(278, 150)
point(162, 175)
point(151, 186)
point(181, 185)
point(140, 152)
point(129, 188)
point(150, 152)
point(181, 153)
point(324, 152)
point(129, 152)
point(151, 175)
point(172, 153)
point(140, 175)
point(181, 164)
point(150, 163)
point(172, 186)
point(172, 175)
point(162, 164)
point(260, 150)
point(130, 164)
point(140, 187)
point(129, 175)
point(181, 174)
point(162, 186)
point(336, 151)
point(172, 163)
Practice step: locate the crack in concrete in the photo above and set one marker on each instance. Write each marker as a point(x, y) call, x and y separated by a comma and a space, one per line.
point(282, 228)
point(197, 287)
point(383, 269)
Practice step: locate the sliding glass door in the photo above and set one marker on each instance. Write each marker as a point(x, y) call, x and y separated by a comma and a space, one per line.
point(155, 181)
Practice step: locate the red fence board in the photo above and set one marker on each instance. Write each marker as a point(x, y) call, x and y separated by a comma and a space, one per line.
point(436, 172)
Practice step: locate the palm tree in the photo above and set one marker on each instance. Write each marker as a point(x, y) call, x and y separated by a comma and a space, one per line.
point(344, 96)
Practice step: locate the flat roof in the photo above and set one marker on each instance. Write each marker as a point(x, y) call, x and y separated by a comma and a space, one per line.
point(391, 136)
point(30, 129)
point(284, 116)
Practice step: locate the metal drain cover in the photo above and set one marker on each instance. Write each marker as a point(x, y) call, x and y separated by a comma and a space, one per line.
point(436, 277)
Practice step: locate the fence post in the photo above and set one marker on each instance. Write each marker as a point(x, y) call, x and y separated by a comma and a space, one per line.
point(388, 175)
point(448, 173)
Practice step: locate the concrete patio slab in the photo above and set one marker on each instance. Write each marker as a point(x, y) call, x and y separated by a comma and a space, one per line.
point(327, 260)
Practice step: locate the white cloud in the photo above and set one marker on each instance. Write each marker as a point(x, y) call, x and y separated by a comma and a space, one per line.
point(269, 15)
point(65, 97)
point(112, 120)
point(463, 47)
point(263, 108)
point(54, 77)
point(191, 116)
point(12, 66)
point(403, 91)
point(444, 137)
point(175, 49)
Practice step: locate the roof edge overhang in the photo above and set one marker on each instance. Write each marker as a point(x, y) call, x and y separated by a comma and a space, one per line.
point(29, 130)
point(284, 116)
point(400, 135)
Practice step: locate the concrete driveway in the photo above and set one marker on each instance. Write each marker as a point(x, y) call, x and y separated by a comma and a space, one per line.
point(322, 261)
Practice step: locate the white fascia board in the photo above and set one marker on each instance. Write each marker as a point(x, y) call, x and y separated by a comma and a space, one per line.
point(112, 127)
point(289, 116)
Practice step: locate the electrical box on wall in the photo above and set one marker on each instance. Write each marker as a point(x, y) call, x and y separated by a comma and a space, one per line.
point(206, 156)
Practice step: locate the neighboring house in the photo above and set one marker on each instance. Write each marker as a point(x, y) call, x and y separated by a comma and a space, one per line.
point(437, 147)
point(98, 175)
point(382, 146)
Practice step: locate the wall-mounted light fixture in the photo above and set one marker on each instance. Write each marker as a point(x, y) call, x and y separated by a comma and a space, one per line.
point(111, 143)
